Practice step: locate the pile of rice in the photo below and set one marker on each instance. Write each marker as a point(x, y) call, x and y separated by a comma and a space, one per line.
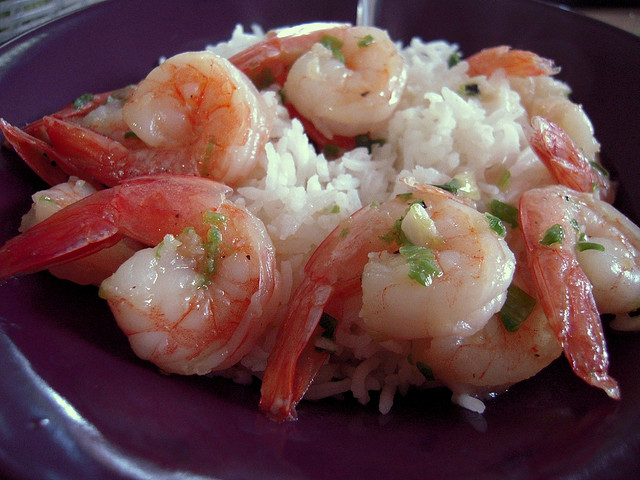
point(435, 134)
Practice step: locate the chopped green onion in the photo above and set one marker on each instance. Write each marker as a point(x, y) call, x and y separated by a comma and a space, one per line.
point(423, 266)
point(425, 370)
point(334, 45)
point(331, 151)
point(365, 140)
point(516, 309)
point(553, 235)
point(365, 41)
point(469, 90)
point(82, 100)
point(214, 218)
point(451, 186)
point(130, 134)
point(395, 235)
point(496, 224)
point(583, 245)
point(505, 212)
point(454, 59)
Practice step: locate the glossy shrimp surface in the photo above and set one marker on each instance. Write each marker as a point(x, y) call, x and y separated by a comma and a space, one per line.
point(510, 348)
point(566, 161)
point(197, 301)
point(350, 83)
point(335, 270)
point(514, 62)
point(194, 114)
point(192, 305)
point(94, 268)
point(568, 234)
point(339, 80)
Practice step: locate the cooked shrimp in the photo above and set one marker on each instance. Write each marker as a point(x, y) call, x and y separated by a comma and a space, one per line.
point(432, 222)
point(514, 345)
point(515, 63)
point(550, 98)
point(566, 161)
point(557, 224)
point(196, 302)
point(349, 85)
point(94, 268)
point(343, 80)
point(194, 114)
point(492, 359)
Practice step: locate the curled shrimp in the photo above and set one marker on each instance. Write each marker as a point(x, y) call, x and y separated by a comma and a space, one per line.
point(373, 234)
point(198, 301)
point(568, 234)
point(514, 345)
point(194, 114)
point(566, 161)
point(515, 63)
point(342, 80)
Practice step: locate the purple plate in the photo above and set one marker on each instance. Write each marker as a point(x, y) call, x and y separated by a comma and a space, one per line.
point(76, 403)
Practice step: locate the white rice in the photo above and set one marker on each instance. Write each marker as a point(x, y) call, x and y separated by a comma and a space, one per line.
point(435, 134)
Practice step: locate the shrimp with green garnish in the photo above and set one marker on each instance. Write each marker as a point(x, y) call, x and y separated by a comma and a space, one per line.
point(199, 298)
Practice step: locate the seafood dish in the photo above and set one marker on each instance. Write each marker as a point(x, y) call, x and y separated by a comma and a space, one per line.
point(328, 212)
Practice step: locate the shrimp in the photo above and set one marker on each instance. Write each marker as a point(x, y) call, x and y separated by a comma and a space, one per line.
point(430, 222)
point(515, 63)
point(550, 98)
point(515, 344)
point(566, 161)
point(194, 114)
point(94, 268)
point(342, 81)
point(584, 257)
point(492, 359)
point(195, 303)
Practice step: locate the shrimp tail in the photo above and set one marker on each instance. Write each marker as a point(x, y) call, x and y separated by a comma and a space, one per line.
point(565, 160)
point(85, 153)
point(36, 153)
point(566, 296)
point(515, 63)
point(74, 232)
point(294, 361)
point(144, 208)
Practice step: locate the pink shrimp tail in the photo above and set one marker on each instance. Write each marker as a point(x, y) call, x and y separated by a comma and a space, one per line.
point(516, 63)
point(294, 361)
point(36, 153)
point(75, 232)
point(566, 296)
point(143, 208)
point(565, 160)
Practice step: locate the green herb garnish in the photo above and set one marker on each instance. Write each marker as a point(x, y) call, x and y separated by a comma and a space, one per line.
point(365, 41)
point(331, 151)
point(469, 90)
point(365, 140)
point(82, 100)
point(516, 309)
point(425, 370)
point(496, 224)
point(423, 266)
point(505, 212)
point(454, 59)
point(553, 235)
point(334, 44)
point(451, 186)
